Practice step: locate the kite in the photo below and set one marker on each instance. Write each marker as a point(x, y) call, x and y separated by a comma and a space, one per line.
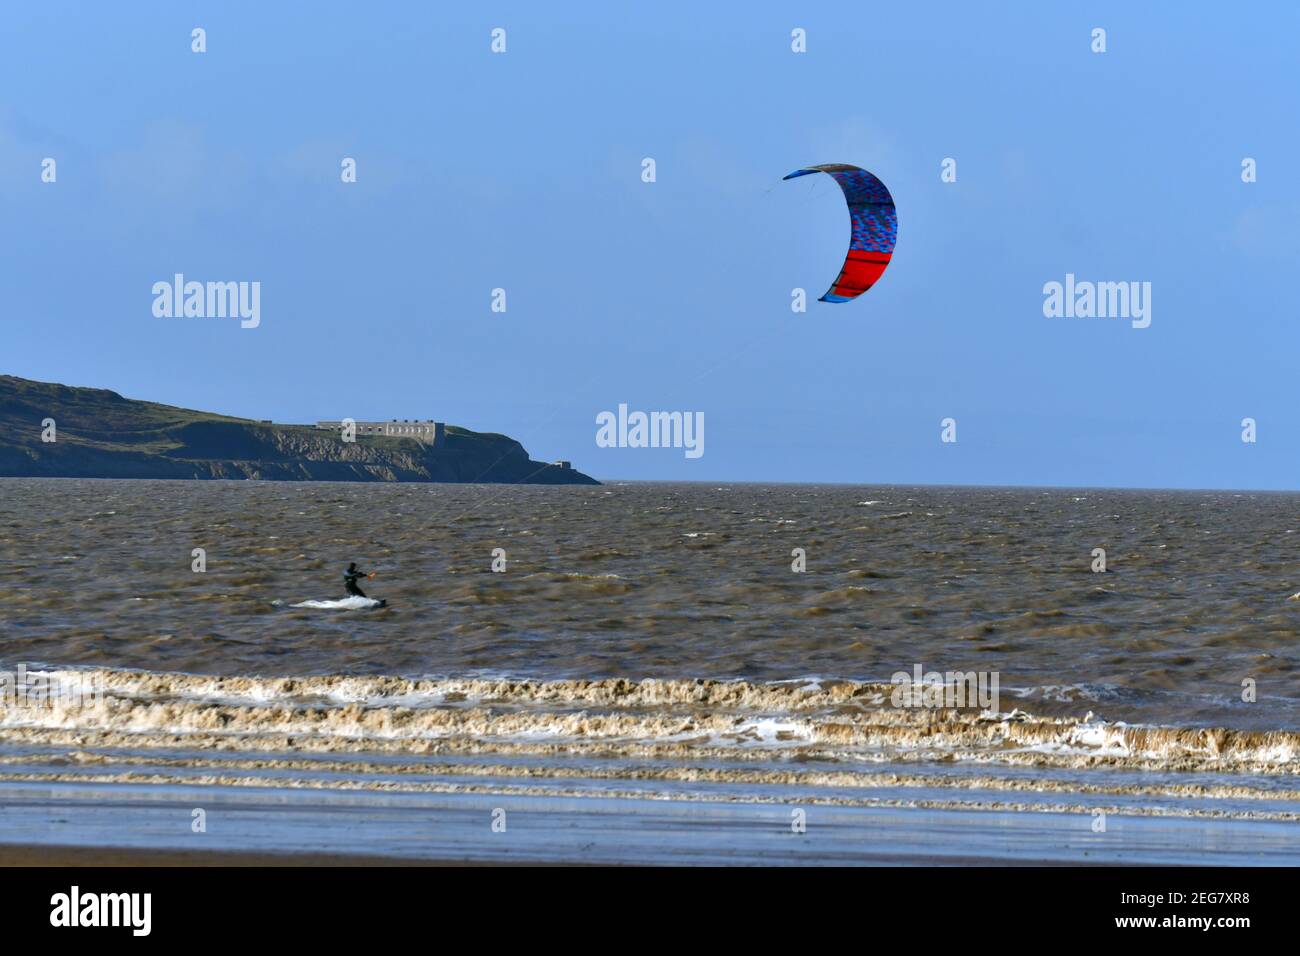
point(875, 229)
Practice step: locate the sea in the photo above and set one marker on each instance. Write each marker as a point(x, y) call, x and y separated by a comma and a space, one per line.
point(652, 672)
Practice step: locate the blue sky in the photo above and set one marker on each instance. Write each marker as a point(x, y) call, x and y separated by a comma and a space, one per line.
point(522, 171)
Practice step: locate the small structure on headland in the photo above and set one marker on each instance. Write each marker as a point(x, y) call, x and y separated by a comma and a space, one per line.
point(428, 431)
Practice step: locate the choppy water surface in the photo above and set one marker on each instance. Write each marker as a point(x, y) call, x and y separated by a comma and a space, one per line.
point(653, 641)
point(672, 581)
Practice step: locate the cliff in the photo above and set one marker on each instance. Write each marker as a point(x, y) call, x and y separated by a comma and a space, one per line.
point(100, 434)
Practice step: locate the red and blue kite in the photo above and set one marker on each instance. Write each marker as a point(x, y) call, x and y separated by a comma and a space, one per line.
point(875, 229)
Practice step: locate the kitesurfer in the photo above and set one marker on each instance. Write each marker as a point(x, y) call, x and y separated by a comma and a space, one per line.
point(350, 577)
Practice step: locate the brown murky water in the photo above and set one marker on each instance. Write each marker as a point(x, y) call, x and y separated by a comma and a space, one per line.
point(649, 667)
point(674, 581)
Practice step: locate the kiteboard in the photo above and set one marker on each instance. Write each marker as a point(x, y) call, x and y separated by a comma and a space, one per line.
point(353, 603)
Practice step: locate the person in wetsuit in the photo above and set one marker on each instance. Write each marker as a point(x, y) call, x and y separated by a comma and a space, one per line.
point(350, 577)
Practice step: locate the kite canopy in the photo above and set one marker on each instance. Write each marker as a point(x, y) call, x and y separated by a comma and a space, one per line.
point(875, 229)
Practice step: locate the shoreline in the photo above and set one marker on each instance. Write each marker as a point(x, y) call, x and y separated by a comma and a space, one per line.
point(65, 856)
point(102, 824)
point(71, 855)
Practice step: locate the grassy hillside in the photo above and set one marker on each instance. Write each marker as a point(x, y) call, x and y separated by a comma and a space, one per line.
point(100, 434)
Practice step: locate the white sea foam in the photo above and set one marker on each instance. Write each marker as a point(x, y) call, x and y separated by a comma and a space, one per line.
point(824, 719)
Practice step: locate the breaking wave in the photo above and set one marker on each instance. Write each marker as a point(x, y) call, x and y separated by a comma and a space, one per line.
point(832, 720)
